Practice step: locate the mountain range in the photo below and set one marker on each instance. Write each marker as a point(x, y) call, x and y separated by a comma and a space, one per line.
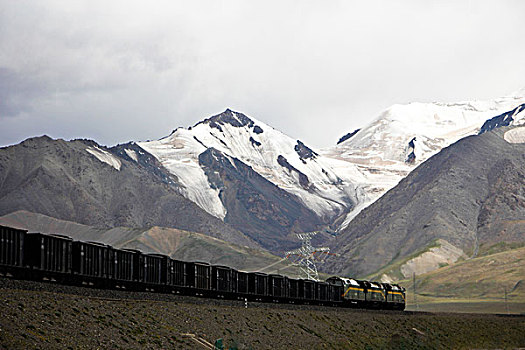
point(417, 181)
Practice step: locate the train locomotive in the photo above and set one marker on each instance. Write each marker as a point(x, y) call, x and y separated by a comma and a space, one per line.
point(60, 259)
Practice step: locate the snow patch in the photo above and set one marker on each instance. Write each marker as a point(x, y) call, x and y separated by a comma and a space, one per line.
point(132, 154)
point(519, 118)
point(179, 153)
point(105, 157)
point(342, 180)
point(516, 135)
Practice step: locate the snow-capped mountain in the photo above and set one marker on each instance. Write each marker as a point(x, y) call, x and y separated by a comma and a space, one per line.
point(259, 185)
point(285, 162)
point(334, 183)
point(458, 203)
point(404, 136)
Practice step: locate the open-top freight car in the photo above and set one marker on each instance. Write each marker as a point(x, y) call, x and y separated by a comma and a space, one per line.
point(221, 281)
point(93, 262)
point(154, 271)
point(59, 258)
point(293, 289)
point(307, 290)
point(322, 292)
point(277, 287)
point(126, 269)
point(240, 283)
point(257, 286)
point(178, 275)
point(199, 278)
point(49, 256)
point(11, 248)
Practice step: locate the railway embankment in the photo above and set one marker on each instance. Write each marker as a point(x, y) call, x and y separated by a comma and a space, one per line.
point(36, 315)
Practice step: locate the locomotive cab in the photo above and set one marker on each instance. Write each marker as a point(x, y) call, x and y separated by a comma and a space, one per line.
point(375, 294)
point(354, 291)
point(395, 296)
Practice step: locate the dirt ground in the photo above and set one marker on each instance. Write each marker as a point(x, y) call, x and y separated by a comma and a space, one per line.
point(46, 316)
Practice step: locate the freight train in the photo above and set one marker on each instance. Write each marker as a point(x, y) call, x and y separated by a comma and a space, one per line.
point(59, 258)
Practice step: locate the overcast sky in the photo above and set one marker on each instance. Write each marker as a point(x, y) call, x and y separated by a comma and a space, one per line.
point(116, 71)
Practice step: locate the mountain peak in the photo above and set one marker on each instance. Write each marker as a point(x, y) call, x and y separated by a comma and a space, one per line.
point(230, 117)
point(40, 141)
point(43, 138)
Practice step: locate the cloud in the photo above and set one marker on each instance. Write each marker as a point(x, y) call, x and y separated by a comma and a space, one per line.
point(314, 69)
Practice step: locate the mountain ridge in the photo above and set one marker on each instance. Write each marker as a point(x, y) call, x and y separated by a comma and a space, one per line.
point(80, 181)
point(446, 197)
point(283, 161)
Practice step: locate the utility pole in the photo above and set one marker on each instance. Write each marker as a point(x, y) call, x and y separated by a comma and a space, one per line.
point(506, 305)
point(305, 256)
point(415, 294)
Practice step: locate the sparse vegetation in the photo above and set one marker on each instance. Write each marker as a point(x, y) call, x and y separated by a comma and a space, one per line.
point(489, 249)
point(393, 268)
point(474, 285)
point(116, 319)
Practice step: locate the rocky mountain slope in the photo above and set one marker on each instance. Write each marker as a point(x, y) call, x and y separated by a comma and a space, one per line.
point(299, 189)
point(265, 212)
point(470, 193)
point(83, 182)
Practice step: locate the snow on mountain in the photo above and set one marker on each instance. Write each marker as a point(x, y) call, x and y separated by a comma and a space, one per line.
point(104, 157)
point(286, 162)
point(404, 136)
point(132, 154)
point(338, 182)
point(516, 135)
point(180, 156)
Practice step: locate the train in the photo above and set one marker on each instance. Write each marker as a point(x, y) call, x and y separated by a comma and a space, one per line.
point(60, 259)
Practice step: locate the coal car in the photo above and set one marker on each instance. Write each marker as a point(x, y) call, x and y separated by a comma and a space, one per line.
point(12, 247)
point(49, 256)
point(93, 263)
point(221, 281)
point(126, 268)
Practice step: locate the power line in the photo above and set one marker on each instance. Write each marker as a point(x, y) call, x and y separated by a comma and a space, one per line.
point(306, 255)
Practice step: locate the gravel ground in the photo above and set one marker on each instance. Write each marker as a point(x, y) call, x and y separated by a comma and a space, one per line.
point(38, 315)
